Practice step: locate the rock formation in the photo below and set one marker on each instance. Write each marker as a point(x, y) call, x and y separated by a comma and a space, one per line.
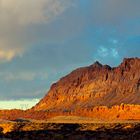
point(96, 91)
point(95, 85)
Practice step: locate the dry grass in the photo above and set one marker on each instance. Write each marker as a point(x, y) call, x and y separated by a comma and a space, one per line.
point(84, 123)
point(70, 127)
point(81, 120)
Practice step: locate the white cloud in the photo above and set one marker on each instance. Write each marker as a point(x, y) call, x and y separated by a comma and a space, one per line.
point(106, 51)
point(25, 76)
point(7, 54)
point(17, 17)
point(103, 51)
point(113, 41)
point(114, 52)
point(32, 11)
point(18, 104)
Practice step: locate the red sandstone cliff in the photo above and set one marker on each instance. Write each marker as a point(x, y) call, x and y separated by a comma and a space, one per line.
point(97, 91)
point(95, 85)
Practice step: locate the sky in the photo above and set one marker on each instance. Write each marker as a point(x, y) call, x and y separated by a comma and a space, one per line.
point(41, 41)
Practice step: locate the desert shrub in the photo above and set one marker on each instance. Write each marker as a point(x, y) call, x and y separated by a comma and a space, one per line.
point(1, 131)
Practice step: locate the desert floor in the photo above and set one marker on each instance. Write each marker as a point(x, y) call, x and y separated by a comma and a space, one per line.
point(69, 128)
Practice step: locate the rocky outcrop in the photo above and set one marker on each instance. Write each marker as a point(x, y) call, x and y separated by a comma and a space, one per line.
point(95, 85)
point(96, 91)
point(98, 113)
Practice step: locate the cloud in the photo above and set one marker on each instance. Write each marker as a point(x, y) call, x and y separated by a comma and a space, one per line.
point(19, 17)
point(104, 52)
point(26, 23)
point(7, 54)
point(56, 37)
point(115, 11)
point(32, 11)
point(18, 104)
point(22, 76)
point(114, 52)
point(113, 41)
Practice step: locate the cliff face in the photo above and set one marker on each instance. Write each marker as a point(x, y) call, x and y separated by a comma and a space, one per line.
point(95, 85)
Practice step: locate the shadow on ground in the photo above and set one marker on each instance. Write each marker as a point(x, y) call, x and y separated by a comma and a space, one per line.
point(73, 132)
